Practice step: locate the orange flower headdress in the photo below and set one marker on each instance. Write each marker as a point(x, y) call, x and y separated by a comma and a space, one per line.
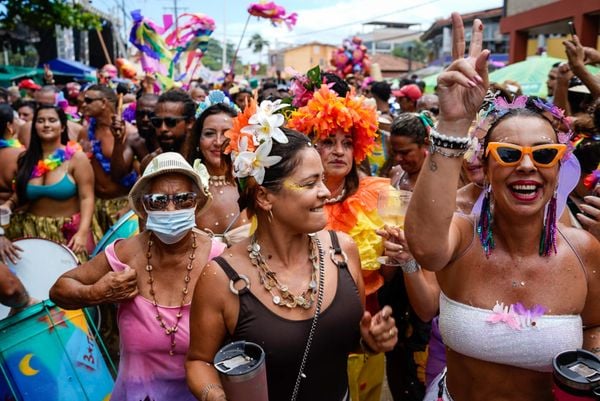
point(327, 113)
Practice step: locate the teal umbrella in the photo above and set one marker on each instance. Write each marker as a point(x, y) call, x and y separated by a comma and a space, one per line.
point(531, 74)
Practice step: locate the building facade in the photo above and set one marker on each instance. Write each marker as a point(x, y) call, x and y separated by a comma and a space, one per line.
point(536, 25)
point(302, 57)
point(439, 36)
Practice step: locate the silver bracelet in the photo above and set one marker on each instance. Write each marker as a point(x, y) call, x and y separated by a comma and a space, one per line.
point(410, 266)
point(452, 153)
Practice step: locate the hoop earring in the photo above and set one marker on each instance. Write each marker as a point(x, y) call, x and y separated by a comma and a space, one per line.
point(484, 224)
point(548, 237)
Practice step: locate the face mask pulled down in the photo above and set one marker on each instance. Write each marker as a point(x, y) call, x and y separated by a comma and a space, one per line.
point(171, 226)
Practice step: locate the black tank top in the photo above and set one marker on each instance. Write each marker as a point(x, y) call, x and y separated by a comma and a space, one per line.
point(337, 334)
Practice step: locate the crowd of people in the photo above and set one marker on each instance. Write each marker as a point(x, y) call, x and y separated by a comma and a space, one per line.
point(259, 221)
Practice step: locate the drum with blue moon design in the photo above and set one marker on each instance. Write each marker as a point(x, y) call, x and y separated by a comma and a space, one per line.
point(48, 353)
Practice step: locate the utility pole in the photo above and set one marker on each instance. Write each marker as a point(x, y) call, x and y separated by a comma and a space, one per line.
point(224, 35)
point(124, 27)
point(176, 9)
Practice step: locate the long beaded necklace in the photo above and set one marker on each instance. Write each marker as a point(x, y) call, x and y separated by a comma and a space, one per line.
point(280, 292)
point(170, 331)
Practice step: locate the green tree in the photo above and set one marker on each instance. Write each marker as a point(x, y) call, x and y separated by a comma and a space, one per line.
point(418, 51)
point(44, 15)
point(213, 57)
point(257, 43)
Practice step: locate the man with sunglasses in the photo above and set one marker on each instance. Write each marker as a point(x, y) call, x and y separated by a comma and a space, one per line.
point(111, 154)
point(144, 110)
point(173, 119)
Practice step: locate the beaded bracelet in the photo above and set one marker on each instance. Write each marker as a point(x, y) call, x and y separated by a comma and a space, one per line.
point(449, 142)
point(440, 150)
point(206, 390)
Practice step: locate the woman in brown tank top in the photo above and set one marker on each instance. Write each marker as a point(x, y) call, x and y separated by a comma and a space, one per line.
point(280, 279)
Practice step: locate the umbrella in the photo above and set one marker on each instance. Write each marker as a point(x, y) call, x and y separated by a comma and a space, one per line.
point(531, 74)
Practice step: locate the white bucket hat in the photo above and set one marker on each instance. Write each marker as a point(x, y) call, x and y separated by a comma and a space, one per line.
point(170, 163)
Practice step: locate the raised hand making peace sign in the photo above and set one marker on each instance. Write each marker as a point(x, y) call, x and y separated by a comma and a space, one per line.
point(462, 86)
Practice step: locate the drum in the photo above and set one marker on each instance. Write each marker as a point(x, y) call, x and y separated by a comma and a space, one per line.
point(48, 353)
point(126, 227)
point(42, 262)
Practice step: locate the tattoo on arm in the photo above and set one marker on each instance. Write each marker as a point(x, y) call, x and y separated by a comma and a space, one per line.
point(432, 164)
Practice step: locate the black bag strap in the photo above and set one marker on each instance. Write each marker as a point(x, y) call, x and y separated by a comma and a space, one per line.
point(337, 254)
point(234, 277)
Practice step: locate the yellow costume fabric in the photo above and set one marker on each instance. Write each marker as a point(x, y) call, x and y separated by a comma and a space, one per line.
point(27, 225)
point(106, 210)
point(357, 216)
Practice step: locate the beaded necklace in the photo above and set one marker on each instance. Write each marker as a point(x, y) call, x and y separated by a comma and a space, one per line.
point(55, 159)
point(170, 331)
point(280, 292)
point(218, 181)
point(128, 180)
point(10, 143)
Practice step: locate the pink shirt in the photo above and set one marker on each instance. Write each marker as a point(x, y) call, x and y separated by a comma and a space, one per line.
point(145, 368)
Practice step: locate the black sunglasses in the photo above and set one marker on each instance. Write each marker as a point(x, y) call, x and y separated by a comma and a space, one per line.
point(170, 122)
point(144, 113)
point(434, 110)
point(183, 200)
point(89, 100)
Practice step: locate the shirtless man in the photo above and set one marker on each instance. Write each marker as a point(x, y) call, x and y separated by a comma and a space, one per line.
point(46, 95)
point(143, 112)
point(105, 136)
point(173, 119)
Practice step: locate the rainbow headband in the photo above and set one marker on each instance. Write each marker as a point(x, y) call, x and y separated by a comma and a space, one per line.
point(326, 114)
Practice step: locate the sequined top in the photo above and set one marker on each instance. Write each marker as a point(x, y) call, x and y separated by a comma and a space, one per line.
point(469, 331)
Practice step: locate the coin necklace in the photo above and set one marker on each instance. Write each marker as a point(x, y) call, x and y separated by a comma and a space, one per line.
point(280, 293)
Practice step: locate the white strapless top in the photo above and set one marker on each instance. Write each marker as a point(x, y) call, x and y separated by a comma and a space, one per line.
point(508, 335)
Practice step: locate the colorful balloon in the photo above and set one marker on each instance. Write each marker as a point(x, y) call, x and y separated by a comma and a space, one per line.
point(273, 12)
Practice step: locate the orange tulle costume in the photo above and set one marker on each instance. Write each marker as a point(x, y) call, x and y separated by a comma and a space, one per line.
point(357, 216)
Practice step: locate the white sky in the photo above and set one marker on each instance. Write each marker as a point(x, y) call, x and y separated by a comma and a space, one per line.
point(327, 21)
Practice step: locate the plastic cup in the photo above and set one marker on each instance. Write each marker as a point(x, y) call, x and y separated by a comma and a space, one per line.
point(4, 216)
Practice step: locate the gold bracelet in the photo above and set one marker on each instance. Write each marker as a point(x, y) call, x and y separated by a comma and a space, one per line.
point(206, 390)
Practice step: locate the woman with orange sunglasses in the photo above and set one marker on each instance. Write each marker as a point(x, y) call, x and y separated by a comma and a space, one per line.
point(517, 288)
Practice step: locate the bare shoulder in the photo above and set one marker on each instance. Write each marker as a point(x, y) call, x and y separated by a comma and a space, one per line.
point(584, 243)
point(80, 157)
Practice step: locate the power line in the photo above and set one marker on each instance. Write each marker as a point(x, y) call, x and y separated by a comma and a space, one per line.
point(364, 20)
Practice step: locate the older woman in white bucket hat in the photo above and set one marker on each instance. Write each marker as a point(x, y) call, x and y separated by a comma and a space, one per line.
point(152, 276)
